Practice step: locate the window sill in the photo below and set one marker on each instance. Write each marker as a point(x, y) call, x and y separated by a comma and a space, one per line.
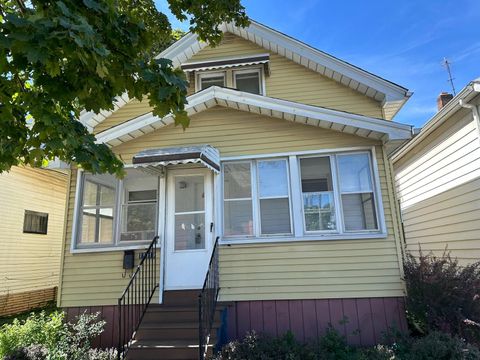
point(110, 248)
point(316, 237)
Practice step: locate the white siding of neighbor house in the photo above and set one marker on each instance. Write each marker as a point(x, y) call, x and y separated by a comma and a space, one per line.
point(438, 184)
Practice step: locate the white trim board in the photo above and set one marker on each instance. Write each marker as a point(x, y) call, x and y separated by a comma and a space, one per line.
point(359, 125)
point(391, 95)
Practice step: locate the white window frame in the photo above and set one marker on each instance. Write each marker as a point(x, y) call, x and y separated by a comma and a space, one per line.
point(261, 77)
point(209, 74)
point(258, 197)
point(124, 201)
point(374, 192)
point(255, 201)
point(116, 244)
point(296, 199)
point(331, 160)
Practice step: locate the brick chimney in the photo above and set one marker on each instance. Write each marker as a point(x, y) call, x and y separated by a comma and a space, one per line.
point(443, 99)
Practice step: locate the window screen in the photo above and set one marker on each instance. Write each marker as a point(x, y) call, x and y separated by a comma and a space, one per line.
point(217, 80)
point(35, 222)
point(248, 82)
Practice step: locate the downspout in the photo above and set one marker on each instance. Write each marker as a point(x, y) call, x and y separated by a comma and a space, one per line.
point(475, 112)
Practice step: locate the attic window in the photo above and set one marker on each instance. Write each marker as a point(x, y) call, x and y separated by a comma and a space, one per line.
point(212, 79)
point(248, 81)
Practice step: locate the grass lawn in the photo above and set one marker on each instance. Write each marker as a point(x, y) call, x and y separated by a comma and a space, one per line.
point(51, 307)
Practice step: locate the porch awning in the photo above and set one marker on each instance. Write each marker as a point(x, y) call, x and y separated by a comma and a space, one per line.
point(257, 59)
point(199, 154)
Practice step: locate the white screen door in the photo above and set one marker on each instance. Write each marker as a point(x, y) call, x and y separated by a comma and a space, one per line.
point(188, 236)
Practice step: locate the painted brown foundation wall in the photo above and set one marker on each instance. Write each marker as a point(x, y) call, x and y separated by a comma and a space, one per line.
point(362, 321)
point(109, 337)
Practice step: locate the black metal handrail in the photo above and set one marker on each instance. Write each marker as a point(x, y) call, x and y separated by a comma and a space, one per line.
point(207, 302)
point(136, 297)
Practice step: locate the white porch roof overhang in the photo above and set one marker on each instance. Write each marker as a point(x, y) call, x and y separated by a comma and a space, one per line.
point(390, 133)
point(205, 155)
point(391, 95)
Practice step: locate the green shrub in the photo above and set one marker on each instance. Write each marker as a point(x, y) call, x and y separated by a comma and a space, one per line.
point(262, 347)
point(443, 296)
point(37, 329)
point(50, 337)
point(333, 346)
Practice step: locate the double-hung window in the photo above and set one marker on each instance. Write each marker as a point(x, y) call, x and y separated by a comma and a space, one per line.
point(211, 79)
point(139, 207)
point(97, 210)
point(248, 81)
point(336, 195)
point(356, 189)
point(256, 198)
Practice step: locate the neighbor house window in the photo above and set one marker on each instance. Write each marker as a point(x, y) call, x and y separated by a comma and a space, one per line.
point(35, 222)
point(248, 81)
point(139, 207)
point(211, 79)
point(336, 191)
point(256, 198)
point(97, 209)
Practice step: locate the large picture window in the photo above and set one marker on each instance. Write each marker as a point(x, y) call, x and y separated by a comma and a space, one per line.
point(336, 191)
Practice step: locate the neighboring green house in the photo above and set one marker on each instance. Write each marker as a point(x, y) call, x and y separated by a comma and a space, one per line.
point(285, 162)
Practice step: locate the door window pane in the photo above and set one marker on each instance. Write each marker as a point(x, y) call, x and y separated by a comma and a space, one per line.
point(190, 231)
point(275, 216)
point(317, 192)
point(354, 173)
point(189, 194)
point(272, 177)
point(217, 80)
point(248, 82)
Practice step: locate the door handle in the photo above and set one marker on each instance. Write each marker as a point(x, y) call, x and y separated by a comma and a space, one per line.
point(211, 227)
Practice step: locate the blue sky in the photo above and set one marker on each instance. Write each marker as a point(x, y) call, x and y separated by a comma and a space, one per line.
point(402, 41)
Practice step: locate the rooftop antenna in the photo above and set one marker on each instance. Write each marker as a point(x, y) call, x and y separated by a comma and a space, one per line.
point(447, 64)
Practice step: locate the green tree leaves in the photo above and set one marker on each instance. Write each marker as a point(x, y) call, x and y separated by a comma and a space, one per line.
point(60, 57)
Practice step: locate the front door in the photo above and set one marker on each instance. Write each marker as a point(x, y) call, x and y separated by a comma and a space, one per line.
point(188, 236)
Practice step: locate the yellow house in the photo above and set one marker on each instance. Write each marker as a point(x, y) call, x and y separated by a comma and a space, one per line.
point(438, 180)
point(279, 196)
point(32, 214)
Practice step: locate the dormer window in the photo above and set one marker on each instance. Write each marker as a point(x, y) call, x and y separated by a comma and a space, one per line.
point(248, 81)
point(211, 79)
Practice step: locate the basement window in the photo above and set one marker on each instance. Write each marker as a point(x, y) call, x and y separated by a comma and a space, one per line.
point(35, 222)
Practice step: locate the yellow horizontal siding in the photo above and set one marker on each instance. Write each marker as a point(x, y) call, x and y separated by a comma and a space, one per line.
point(235, 132)
point(318, 269)
point(438, 183)
point(288, 80)
point(30, 261)
point(90, 278)
point(309, 269)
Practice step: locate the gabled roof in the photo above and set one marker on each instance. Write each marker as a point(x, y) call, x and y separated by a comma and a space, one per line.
point(378, 129)
point(463, 97)
point(391, 95)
